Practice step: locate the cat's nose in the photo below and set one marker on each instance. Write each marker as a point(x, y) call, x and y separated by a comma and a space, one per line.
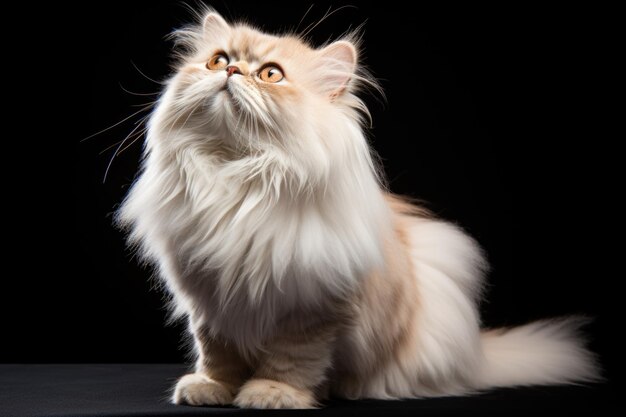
point(233, 69)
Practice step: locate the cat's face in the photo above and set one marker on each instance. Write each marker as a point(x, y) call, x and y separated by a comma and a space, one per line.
point(245, 86)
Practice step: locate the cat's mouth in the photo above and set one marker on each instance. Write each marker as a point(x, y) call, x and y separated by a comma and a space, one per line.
point(237, 98)
point(228, 91)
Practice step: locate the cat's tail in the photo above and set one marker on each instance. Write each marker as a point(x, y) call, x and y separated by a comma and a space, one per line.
point(543, 352)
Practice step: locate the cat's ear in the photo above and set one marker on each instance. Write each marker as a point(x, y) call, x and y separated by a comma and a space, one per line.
point(336, 67)
point(214, 26)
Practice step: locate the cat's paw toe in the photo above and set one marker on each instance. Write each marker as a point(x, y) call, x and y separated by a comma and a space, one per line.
point(265, 393)
point(199, 389)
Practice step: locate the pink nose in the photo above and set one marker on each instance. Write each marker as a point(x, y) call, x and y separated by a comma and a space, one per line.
point(232, 69)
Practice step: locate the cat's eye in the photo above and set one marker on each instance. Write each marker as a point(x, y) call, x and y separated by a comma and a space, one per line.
point(218, 61)
point(271, 74)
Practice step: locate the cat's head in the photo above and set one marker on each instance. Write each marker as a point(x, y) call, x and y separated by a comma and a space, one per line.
point(249, 89)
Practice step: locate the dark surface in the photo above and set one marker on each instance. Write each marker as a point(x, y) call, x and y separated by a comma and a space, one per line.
point(143, 390)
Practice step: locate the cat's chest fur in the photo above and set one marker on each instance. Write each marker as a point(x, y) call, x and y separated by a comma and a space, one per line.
point(239, 249)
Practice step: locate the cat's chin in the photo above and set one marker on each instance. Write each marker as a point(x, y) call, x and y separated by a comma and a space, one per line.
point(225, 105)
point(227, 101)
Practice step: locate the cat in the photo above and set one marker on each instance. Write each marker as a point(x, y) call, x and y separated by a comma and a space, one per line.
point(262, 207)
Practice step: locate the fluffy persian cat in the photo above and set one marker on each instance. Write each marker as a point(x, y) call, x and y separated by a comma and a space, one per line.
point(300, 275)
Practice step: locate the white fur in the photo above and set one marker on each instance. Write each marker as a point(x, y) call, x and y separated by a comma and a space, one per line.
point(448, 354)
point(256, 207)
point(544, 352)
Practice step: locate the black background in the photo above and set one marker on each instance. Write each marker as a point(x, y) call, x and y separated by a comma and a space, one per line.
point(496, 117)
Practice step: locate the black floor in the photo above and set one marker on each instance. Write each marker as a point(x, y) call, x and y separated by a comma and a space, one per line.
point(142, 390)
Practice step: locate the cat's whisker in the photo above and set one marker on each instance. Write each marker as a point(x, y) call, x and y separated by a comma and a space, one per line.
point(328, 14)
point(303, 17)
point(136, 94)
point(147, 107)
point(150, 103)
point(106, 172)
point(110, 146)
point(144, 75)
point(138, 136)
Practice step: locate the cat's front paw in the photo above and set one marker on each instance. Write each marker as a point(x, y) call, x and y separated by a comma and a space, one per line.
point(199, 389)
point(265, 393)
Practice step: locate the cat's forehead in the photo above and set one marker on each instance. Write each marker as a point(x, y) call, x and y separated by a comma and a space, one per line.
point(253, 46)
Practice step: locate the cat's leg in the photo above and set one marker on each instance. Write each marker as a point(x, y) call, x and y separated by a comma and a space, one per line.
point(220, 371)
point(293, 369)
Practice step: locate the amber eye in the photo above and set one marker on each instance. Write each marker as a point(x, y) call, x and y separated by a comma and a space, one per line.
point(218, 61)
point(271, 74)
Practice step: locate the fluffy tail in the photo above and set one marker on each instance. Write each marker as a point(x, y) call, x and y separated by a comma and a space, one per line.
point(543, 352)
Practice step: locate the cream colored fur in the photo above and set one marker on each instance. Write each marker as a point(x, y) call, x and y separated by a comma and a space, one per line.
point(262, 209)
